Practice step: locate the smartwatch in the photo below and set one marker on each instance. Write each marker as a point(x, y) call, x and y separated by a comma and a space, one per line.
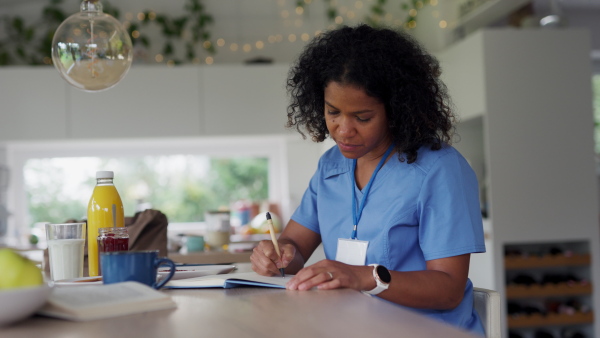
point(382, 278)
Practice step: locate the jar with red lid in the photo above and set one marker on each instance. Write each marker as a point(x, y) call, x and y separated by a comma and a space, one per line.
point(112, 239)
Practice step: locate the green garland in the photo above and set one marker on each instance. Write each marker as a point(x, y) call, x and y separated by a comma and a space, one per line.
point(32, 44)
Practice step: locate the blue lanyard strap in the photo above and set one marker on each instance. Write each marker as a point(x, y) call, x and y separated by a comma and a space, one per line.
point(357, 213)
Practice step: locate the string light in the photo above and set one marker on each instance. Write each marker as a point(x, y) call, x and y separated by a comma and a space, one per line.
point(345, 14)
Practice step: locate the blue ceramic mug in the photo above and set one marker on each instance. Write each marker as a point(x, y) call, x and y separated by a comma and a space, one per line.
point(138, 266)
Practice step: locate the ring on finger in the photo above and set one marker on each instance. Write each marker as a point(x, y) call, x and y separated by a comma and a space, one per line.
point(330, 275)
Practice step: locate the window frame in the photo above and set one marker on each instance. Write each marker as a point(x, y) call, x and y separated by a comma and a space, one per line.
point(18, 153)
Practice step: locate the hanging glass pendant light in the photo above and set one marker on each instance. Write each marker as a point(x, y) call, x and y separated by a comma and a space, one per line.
point(91, 50)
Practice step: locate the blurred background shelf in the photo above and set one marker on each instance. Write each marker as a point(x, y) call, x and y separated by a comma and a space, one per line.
point(548, 290)
point(546, 261)
point(537, 320)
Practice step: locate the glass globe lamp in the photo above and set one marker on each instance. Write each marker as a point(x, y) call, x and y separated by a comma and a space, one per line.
point(91, 50)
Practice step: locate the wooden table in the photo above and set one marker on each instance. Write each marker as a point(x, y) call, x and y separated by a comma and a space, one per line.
point(251, 312)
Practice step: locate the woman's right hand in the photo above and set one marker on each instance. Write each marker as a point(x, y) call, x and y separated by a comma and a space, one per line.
point(265, 260)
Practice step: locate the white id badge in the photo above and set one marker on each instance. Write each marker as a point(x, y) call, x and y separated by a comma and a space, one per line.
point(351, 251)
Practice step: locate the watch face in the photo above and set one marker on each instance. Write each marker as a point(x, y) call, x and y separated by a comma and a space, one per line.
point(384, 274)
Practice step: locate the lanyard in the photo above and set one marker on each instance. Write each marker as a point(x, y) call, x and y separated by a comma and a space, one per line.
point(356, 214)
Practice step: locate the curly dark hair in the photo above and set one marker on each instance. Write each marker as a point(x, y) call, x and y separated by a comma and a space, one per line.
point(388, 65)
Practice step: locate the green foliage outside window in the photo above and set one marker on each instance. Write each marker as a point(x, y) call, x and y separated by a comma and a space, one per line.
point(183, 187)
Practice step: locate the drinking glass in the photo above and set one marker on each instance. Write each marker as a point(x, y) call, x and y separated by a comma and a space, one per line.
point(65, 249)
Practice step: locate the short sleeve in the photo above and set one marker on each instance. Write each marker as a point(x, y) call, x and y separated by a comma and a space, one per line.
point(307, 212)
point(450, 221)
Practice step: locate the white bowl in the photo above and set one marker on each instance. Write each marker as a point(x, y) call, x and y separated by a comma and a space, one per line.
point(20, 303)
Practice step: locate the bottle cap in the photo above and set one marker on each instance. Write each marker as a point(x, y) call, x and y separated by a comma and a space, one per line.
point(105, 174)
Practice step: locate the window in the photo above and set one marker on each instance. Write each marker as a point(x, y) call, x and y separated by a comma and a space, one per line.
point(53, 181)
point(183, 187)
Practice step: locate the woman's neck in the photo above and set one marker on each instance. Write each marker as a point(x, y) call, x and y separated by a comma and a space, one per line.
point(365, 166)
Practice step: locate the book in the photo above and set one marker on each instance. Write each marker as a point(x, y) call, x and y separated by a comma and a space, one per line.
point(230, 280)
point(91, 302)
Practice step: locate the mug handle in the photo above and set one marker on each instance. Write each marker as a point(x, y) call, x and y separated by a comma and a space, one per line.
point(157, 264)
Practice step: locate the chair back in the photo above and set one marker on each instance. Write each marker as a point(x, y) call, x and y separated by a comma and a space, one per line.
point(487, 304)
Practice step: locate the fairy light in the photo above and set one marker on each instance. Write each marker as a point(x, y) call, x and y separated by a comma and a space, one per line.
point(209, 60)
point(346, 13)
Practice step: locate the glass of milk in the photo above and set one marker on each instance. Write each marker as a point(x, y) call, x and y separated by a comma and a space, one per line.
point(65, 249)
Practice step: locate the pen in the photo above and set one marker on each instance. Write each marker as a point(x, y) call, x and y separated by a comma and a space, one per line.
point(272, 232)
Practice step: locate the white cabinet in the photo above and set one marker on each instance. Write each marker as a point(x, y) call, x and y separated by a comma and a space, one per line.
point(32, 104)
point(524, 97)
point(151, 101)
point(244, 100)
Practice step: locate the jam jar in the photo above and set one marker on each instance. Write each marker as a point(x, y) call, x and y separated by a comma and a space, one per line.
point(112, 239)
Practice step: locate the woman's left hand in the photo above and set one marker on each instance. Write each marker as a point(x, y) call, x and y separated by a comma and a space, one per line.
point(328, 274)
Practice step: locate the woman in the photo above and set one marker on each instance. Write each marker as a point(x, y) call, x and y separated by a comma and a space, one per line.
point(392, 192)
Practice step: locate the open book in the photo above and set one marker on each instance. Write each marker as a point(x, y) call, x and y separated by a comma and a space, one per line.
point(230, 280)
point(92, 302)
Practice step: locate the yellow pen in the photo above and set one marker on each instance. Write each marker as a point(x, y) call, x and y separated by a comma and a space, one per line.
point(274, 239)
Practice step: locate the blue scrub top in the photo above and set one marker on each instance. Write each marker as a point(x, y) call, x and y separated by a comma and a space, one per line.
point(416, 212)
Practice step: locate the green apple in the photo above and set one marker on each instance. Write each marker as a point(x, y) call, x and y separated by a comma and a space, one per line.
point(17, 271)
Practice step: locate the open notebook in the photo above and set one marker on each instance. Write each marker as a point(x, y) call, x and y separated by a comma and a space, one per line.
point(230, 280)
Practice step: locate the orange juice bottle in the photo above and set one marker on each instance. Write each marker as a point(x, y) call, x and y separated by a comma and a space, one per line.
point(104, 210)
